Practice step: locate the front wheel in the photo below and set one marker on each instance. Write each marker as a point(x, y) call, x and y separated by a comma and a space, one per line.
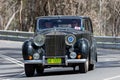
point(39, 69)
point(29, 69)
point(83, 67)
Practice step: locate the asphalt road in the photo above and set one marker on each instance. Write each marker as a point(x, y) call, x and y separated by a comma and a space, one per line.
point(11, 66)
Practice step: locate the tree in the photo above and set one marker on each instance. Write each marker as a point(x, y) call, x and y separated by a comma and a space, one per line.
point(21, 14)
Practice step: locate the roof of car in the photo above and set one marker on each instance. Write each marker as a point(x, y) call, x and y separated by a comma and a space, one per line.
point(61, 17)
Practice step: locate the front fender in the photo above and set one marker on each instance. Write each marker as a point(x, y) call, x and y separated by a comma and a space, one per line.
point(82, 46)
point(27, 49)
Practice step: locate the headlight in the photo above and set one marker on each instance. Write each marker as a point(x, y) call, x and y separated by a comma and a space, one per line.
point(36, 56)
point(39, 40)
point(70, 39)
point(73, 55)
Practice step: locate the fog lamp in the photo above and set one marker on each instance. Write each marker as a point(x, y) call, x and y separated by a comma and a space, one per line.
point(73, 55)
point(36, 56)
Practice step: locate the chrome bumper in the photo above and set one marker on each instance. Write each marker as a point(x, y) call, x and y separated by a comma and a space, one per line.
point(67, 61)
point(71, 61)
point(33, 61)
point(76, 61)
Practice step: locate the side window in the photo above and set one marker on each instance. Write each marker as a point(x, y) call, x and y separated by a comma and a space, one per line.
point(90, 25)
point(87, 25)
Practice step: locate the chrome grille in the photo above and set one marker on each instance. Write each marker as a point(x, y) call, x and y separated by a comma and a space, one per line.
point(55, 45)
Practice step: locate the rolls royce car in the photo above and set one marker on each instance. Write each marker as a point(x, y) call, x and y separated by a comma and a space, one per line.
point(60, 41)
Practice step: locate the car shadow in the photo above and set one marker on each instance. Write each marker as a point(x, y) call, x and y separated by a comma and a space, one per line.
point(17, 75)
point(59, 73)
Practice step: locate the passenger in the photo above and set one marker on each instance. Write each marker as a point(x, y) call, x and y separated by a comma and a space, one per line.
point(75, 25)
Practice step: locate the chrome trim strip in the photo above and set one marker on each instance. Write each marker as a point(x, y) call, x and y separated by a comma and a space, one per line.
point(33, 61)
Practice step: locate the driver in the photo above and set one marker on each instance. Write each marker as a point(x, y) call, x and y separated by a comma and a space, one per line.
point(48, 24)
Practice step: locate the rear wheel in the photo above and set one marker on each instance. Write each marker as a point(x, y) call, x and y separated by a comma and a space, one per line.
point(83, 67)
point(29, 69)
point(39, 69)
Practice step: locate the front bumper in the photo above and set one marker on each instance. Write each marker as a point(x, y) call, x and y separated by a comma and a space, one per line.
point(67, 61)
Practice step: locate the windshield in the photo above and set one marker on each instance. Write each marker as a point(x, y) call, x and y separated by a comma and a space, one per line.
point(50, 23)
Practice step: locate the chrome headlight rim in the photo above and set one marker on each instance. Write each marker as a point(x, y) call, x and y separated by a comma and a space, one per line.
point(39, 40)
point(70, 39)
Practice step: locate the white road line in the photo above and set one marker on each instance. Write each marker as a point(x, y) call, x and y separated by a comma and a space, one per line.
point(10, 74)
point(112, 78)
point(4, 79)
point(17, 75)
point(12, 60)
point(19, 63)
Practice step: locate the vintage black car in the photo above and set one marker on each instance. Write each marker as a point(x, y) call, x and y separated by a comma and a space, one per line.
point(60, 41)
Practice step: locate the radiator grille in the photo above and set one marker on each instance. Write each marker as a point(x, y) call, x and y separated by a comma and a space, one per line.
point(55, 45)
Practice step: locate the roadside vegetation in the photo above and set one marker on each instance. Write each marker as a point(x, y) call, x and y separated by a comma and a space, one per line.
point(19, 15)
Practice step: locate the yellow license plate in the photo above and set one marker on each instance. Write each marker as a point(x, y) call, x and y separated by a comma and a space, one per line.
point(54, 61)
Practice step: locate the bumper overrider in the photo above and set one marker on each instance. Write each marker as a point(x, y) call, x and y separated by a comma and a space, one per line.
point(67, 61)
